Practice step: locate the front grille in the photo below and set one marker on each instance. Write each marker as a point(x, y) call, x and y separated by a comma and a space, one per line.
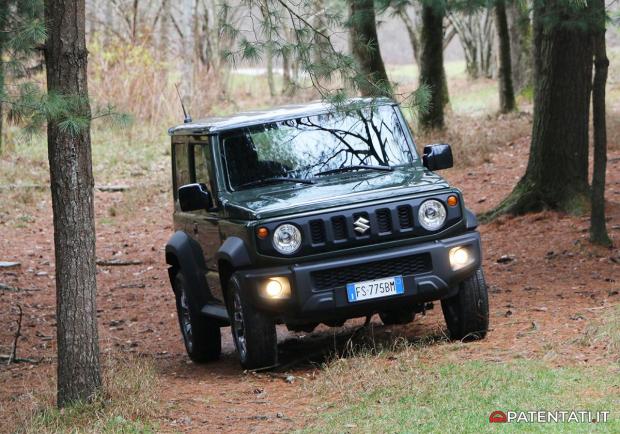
point(317, 231)
point(339, 225)
point(405, 216)
point(403, 266)
point(384, 220)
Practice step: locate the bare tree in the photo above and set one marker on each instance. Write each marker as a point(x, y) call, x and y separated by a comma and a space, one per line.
point(475, 32)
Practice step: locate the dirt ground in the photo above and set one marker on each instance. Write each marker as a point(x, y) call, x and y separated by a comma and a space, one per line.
point(548, 287)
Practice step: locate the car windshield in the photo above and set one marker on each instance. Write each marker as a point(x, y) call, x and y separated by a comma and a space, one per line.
point(323, 144)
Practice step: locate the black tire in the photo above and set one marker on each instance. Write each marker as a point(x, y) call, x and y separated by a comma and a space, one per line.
point(467, 312)
point(395, 317)
point(253, 332)
point(201, 334)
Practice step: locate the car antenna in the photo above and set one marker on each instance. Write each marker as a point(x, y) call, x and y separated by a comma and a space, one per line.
point(187, 118)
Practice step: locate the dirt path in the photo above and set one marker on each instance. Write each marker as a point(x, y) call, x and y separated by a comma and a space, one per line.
point(545, 292)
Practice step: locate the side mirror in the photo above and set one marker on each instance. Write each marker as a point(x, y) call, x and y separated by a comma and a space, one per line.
point(194, 197)
point(437, 157)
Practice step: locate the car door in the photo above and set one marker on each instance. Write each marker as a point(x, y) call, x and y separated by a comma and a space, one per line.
point(205, 227)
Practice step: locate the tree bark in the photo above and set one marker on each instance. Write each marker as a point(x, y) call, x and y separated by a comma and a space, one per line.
point(431, 65)
point(71, 176)
point(1, 96)
point(3, 35)
point(557, 172)
point(520, 30)
point(598, 229)
point(365, 48)
point(288, 87)
point(507, 101)
point(414, 39)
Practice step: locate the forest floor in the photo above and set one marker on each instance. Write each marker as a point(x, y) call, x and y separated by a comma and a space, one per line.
point(554, 342)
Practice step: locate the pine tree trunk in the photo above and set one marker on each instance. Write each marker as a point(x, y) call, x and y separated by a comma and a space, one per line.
point(507, 101)
point(1, 104)
point(71, 176)
point(3, 16)
point(520, 30)
point(287, 84)
point(269, 67)
point(365, 49)
point(431, 65)
point(557, 172)
point(598, 229)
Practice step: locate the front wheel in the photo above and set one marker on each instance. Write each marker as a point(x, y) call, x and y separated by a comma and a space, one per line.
point(253, 332)
point(467, 312)
point(201, 334)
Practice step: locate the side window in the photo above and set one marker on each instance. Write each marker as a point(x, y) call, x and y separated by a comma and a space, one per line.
point(201, 165)
point(181, 166)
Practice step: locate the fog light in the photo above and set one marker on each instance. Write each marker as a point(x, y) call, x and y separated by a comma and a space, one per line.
point(276, 288)
point(460, 257)
point(273, 289)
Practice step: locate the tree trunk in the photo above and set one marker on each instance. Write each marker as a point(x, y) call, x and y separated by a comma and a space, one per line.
point(598, 229)
point(288, 88)
point(165, 30)
point(71, 176)
point(1, 97)
point(507, 101)
point(134, 22)
point(365, 48)
point(520, 30)
point(414, 39)
point(269, 66)
point(557, 172)
point(431, 65)
point(3, 35)
point(475, 31)
point(321, 46)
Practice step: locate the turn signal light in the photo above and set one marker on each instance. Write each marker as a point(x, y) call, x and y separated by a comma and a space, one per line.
point(453, 200)
point(262, 232)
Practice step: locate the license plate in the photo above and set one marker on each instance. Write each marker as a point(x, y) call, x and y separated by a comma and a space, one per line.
point(376, 288)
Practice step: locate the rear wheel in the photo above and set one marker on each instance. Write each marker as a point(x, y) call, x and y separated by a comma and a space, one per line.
point(201, 334)
point(467, 312)
point(253, 332)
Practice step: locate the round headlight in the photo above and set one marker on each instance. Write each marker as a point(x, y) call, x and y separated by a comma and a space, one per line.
point(286, 239)
point(432, 215)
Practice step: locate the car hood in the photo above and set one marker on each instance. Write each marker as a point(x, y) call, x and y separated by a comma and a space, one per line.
point(333, 191)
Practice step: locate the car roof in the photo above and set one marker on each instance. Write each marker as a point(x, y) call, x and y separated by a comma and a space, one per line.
point(221, 123)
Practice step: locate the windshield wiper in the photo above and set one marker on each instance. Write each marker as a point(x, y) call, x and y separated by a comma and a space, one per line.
point(273, 180)
point(355, 167)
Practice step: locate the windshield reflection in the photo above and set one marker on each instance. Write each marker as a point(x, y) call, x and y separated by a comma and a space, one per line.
point(301, 148)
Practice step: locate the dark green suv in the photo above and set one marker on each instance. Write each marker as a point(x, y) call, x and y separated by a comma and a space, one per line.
point(313, 214)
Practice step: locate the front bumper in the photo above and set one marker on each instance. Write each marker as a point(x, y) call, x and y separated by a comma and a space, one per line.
point(318, 289)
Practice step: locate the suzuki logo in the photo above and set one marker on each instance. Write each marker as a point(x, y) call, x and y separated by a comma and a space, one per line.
point(361, 225)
